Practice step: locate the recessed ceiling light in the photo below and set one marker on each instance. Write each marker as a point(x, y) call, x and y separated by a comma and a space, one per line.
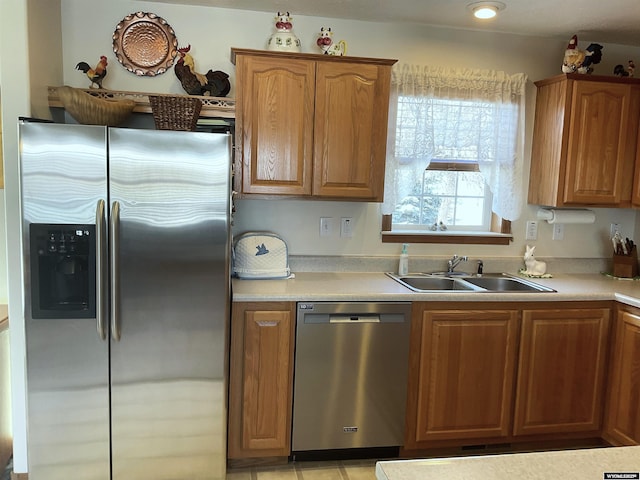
point(486, 10)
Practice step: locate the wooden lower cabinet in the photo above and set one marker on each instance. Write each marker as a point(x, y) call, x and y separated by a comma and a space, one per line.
point(463, 365)
point(479, 373)
point(622, 422)
point(561, 371)
point(261, 379)
point(507, 373)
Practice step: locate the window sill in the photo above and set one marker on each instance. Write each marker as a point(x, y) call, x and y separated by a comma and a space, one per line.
point(453, 237)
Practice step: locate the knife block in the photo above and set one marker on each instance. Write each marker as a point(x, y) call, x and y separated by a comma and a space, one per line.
point(626, 265)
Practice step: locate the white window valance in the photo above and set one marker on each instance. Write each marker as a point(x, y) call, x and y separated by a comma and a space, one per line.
point(488, 122)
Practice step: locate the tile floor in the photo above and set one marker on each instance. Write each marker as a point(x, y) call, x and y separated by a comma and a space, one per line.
point(327, 470)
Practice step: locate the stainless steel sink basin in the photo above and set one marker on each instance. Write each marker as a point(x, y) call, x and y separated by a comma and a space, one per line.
point(506, 284)
point(425, 283)
point(498, 282)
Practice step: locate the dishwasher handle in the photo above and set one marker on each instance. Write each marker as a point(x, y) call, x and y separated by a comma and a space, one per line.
point(354, 319)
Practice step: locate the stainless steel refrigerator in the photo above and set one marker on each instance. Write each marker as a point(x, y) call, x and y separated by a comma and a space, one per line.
point(126, 283)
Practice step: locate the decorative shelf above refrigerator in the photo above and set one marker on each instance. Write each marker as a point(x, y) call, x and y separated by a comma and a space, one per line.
point(212, 107)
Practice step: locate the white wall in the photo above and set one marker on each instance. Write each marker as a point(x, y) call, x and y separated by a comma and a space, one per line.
point(217, 30)
point(15, 101)
point(5, 400)
point(4, 293)
point(29, 30)
point(86, 28)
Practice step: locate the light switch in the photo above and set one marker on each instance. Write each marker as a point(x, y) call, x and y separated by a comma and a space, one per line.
point(558, 231)
point(326, 226)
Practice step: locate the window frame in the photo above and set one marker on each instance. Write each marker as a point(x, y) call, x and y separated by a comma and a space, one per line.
point(500, 234)
point(450, 165)
point(500, 228)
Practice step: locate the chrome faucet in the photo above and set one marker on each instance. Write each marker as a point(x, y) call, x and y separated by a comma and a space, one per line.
point(453, 263)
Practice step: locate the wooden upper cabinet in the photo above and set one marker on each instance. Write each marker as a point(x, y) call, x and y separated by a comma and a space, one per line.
point(350, 135)
point(311, 125)
point(584, 141)
point(561, 371)
point(635, 195)
point(622, 421)
point(276, 103)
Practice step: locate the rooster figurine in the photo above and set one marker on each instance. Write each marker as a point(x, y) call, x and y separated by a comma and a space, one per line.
point(581, 61)
point(215, 84)
point(97, 74)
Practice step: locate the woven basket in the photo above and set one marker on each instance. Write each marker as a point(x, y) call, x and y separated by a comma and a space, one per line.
point(175, 112)
point(90, 110)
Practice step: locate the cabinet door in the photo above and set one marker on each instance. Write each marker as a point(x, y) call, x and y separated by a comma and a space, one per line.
point(463, 376)
point(635, 196)
point(350, 136)
point(275, 98)
point(547, 155)
point(261, 379)
point(600, 153)
point(563, 356)
point(623, 416)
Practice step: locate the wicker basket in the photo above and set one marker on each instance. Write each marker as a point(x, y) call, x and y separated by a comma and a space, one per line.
point(90, 110)
point(175, 112)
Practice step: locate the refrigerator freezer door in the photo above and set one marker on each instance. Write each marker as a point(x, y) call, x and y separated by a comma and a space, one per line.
point(170, 280)
point(63, 175)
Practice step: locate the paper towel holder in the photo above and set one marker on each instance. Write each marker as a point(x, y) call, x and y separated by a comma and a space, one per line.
point(567, 215)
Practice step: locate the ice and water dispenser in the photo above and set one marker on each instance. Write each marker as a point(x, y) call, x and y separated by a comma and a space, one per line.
point(63, 271)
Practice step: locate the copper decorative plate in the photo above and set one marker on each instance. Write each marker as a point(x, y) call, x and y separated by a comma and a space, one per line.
point(145, 44)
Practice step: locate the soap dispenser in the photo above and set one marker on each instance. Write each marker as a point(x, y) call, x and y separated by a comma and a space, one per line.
point(403, 264)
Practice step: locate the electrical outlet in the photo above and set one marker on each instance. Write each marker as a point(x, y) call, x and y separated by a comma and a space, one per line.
point(532, 230)
point(558, 231)
point(326, 226)
point(346, 227)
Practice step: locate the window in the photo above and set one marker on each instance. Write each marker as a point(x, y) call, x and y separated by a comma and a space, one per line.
point(451, 189)
point(455, 156)
point(459, 200)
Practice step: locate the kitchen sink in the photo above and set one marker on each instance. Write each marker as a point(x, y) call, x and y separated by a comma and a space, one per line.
point(506, 284)
point(426, 283)
point(494, 282)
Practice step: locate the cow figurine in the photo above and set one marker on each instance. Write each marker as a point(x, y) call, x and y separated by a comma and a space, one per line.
point(284, 39)
point(283, 22)
point(325, 42)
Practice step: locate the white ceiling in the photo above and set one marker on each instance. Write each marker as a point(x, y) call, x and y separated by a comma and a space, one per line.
point(603, 21)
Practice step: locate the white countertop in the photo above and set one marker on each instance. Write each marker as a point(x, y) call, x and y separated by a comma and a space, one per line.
point(585, 464)
point(364, 286)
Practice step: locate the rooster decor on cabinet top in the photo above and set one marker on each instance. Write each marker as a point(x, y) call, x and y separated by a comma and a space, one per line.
point(581, 61)
point(213, 83)
point(620, 71)
point(96, 74)
point(284, 40)
point(325, 42)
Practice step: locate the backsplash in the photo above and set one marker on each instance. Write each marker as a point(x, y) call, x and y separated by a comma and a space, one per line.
point(388, 263)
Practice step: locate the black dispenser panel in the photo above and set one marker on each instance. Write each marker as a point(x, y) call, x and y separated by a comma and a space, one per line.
point(63, 270)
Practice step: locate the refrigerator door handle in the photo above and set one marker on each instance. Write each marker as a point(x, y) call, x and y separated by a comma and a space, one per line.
point(114, 237)
point(101, 269)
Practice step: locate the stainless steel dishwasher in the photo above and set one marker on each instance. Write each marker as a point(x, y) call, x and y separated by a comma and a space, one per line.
point(350, 375)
